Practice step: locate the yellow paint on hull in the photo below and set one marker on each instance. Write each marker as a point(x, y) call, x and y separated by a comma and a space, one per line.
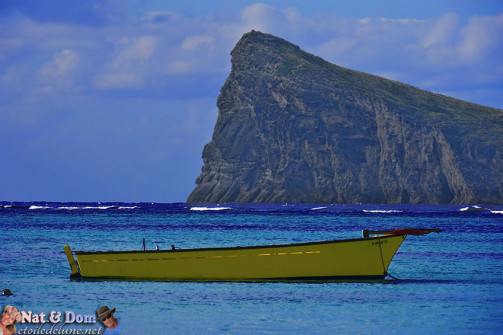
point(344, 259)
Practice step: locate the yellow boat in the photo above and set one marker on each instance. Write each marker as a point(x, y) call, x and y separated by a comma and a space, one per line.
point(364, 258)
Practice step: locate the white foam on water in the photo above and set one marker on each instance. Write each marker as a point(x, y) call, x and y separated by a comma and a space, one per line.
point(39, 207)
point(73, 208)
point(98, 207)
point(474, 208)
point(380, 211)
point(209, 208)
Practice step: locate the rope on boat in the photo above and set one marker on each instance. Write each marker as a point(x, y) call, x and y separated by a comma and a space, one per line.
point(388, 274)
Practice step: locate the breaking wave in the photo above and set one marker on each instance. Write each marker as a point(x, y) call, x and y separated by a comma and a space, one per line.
point(381, 211)
point(474, 208)
point(68, 207)
point(209, 208)
point(38, 207)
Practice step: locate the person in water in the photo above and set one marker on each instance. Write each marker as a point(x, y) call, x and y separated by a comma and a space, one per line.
point(106, 315)
point(10, 317)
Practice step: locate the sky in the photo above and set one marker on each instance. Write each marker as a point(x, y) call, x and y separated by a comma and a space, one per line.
point(114, 100)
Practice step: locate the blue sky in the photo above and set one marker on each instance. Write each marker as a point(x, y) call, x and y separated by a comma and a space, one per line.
point(114, 100)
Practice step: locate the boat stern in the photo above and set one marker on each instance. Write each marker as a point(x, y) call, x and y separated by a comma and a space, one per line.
point(75, 271)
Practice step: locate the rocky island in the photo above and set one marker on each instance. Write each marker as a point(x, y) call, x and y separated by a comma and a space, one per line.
point(294, 128)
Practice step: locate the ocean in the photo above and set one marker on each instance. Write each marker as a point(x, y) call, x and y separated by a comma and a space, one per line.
point(448, 283)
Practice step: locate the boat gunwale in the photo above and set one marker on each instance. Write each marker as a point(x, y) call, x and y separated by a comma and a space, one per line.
point(80, 252)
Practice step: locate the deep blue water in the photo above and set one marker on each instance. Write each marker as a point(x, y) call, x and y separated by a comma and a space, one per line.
point(451, 282)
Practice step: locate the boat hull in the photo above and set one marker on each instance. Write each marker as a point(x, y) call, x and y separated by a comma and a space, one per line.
point(363, 258)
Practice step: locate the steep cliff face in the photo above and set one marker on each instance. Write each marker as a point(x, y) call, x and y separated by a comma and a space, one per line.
point(295, 128)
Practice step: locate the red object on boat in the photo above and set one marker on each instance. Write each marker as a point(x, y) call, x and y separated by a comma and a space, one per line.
point(407, 231)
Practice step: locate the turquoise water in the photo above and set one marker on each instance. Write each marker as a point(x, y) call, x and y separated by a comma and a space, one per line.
point(451, 282)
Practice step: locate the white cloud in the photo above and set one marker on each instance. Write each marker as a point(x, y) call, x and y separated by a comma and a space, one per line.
point(57, 74)
point(482, 36)
point(179, 67)
point(16, 77)
point(461, 56)
point(63, 61)
point(8, 45)
point(368, 44)
point(139, 49)
point(161, 19)
point(337, 46)
point(117, 81)
point(259, 16)
point(193, 42)
point(147, 51)
point(130, 66)
point(440, 31)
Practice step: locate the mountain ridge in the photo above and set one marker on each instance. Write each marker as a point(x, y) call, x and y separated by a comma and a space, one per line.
point(293, 127)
